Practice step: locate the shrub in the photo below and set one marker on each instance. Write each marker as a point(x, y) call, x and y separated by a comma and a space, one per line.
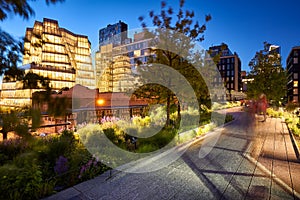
point(161, 139)
point(206, 128)
point(23, 182)
point(91, 168)
point(146, 148)
point(291, 107)
point(61, 165)
point(228, 118)
point(139, 121)
point(9, 149)
point(187, 136)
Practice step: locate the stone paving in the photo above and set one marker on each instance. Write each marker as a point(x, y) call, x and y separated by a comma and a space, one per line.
point(250, 160)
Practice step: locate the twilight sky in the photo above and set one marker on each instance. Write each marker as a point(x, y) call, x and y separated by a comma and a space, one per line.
point(243, 25)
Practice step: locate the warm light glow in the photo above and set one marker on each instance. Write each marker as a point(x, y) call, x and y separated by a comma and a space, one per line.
point(100, 102)
point(295, 83)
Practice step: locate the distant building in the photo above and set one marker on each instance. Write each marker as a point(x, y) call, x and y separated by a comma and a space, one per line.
point(229, 65)
point(245, 80)
point(116, 64)
point(293, 72)
point(53, 52)
point(47, 44)
point(14, 95)
point(270, 50)
point(115, 34)
point(274, 48)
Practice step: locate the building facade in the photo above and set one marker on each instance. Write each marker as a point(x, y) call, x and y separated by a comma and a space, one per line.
point(14, 95)
point(53, 52)
point(293, 71)
point(47, 44)
point(229, 65)
point(115, 34)
point(116, 64)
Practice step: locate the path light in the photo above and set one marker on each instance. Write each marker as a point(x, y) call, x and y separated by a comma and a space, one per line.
point(100, 102)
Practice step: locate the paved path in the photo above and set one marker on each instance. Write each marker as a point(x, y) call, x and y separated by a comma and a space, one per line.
point(251, 160)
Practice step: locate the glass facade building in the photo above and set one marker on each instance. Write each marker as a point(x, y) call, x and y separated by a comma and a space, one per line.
point(115, 34)
point(116, 65)
point(53, 52)
point(46, 44)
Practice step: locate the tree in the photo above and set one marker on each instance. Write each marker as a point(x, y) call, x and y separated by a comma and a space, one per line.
point(173, 43)
point(15, 121)
point(35, 81)
point(268, 75)
point(59, 107)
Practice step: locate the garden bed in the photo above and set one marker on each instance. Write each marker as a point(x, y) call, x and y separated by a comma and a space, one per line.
point(293, 124)
point(42, 166)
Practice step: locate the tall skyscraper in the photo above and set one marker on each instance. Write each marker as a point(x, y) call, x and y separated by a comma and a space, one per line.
point(53, 52)
point(293, 72)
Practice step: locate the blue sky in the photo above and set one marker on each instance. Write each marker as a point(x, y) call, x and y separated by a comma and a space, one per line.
point(243, 25)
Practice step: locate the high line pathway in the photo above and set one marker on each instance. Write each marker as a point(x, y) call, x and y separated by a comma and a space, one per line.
point(250, 160)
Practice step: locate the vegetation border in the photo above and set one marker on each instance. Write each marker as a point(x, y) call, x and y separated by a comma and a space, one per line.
point(295, 146)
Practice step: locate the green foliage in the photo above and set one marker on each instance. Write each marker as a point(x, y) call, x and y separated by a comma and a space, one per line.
point(28, 168)
point(268, 74)
point(19, 7)
point(9, 149)
point(291, 107)
point(206, 128)
point(91, 168)
point(139, 121)
point(159, 140)
point(219, 106)
point(35, 81)
point(158, 116)
point(176, 33)
point(228, 118)
point(187, 136)
point(58, 106)
point(273, 113)
point(21, 182)
point(146, 148)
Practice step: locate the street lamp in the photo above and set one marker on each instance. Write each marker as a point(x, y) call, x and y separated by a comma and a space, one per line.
point(99, 111)
point(100, 102)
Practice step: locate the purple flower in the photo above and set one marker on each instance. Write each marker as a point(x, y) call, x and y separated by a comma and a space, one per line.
point(89, 163)
point(61, 165)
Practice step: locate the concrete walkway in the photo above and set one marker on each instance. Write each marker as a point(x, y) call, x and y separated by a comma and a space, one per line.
point(250, 160)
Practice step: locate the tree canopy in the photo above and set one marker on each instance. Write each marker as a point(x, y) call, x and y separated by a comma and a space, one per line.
point(173, 39)
point(268, 75)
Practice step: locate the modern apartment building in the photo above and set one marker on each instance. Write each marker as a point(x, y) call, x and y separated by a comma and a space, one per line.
point(53, 52)
point(229, 65)
point(293, 72)
point(116, 64)
point(115, 34)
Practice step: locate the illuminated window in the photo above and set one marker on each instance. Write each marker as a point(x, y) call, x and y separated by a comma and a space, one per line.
point(295, 91)
point(295, 83)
